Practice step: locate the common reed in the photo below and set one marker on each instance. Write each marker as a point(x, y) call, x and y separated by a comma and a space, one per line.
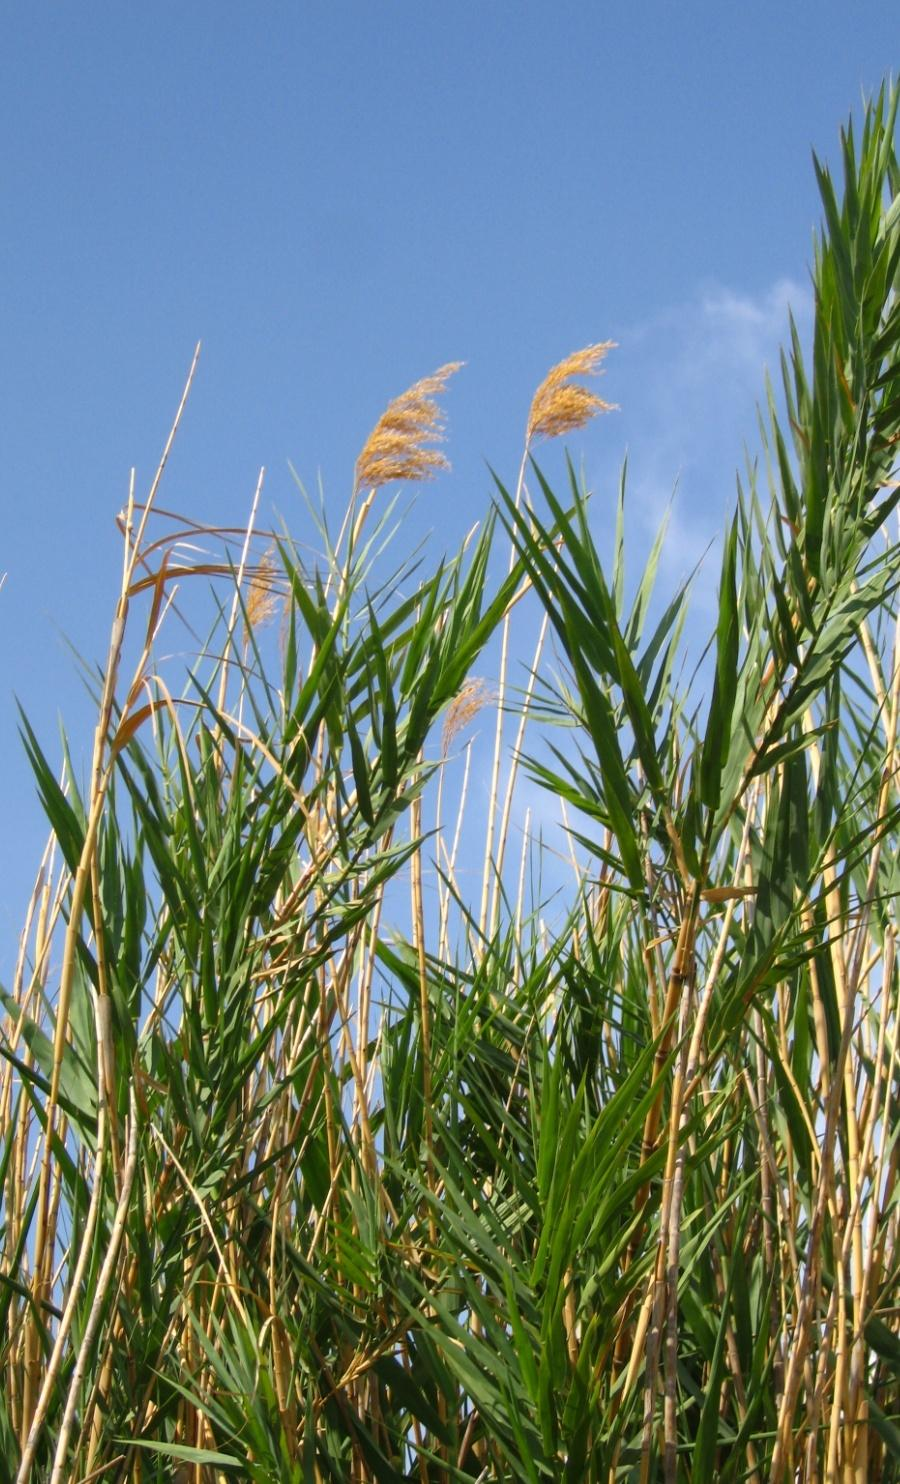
point(591, 1183)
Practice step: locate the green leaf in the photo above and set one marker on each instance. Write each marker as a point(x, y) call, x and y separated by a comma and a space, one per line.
point(718, 729)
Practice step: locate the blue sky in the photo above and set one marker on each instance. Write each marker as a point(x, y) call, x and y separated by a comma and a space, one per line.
point(339, 198)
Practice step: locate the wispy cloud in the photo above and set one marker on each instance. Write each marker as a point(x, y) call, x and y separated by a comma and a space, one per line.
point(689, 381)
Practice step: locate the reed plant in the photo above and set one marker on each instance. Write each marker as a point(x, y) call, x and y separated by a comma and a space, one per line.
point(321, 1163)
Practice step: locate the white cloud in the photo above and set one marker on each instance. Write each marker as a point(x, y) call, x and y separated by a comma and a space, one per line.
point(689, 381)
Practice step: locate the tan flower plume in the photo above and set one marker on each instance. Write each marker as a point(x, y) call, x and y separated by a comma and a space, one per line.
point(396, 447)
point(559, 405)
point(262, 597)
point(475, 694)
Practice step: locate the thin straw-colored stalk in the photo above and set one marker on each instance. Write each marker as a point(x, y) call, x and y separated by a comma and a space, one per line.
point(559, 406)
point(488, 867)
point(514, 765)
point(238, 582)
point(85, 1253)
point(100, 776)
point(95, 1314)
point(446, 888)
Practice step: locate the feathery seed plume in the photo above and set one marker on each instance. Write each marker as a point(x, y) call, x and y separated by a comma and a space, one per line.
point(262, 600)
point(474, 695)
point(561, 407)
point(395, 448)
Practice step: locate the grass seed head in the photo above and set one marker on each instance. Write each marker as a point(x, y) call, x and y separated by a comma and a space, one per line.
point(560, 406)
point(474, 695)
point(396, 447)
point(262, 599)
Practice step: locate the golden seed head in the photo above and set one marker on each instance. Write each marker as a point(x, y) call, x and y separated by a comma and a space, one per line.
point(262, 600)
point(559, 406)
point(474, 695)
point(395, 449)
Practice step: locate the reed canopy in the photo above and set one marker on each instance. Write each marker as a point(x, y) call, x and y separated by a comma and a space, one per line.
point(352, 1128)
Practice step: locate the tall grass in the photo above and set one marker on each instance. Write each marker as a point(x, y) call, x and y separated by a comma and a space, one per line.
point(303, 1183)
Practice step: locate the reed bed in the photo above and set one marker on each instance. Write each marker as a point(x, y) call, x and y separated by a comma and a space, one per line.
point(320, 1162)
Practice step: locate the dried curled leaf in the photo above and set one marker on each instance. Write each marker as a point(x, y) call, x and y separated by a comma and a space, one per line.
point(396, 448)
point(560, 406)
